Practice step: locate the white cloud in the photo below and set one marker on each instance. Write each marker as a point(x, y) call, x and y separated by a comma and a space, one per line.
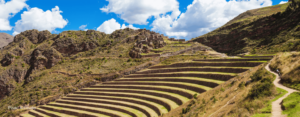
point(82, 27)
point(282, 2)
point(8, 10)
point(111, 25)
point(203, 16)
point(36, 18)
point(138, 11)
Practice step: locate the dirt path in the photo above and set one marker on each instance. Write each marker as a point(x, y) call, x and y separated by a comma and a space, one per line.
point(276, 106)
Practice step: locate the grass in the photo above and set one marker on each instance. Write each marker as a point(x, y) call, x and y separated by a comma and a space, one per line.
point(266, 112)
point(288, 65)
point(292, 105)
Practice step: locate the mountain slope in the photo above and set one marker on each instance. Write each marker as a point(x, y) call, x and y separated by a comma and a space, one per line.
point(5, 39)
point(266, 30)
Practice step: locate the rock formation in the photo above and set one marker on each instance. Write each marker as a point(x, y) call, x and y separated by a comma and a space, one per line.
point(145, 42)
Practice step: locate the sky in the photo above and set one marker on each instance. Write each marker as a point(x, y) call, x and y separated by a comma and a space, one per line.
point(183, 19)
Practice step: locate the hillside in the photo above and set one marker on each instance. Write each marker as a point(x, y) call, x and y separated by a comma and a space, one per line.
point(265, 30)
point(39, 67)
point(5, 39)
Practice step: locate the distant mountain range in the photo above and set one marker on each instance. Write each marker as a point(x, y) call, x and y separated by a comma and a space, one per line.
point(5, 39)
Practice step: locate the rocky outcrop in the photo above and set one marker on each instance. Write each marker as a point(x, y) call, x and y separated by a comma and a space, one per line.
point(6, 77)
point(72, 42)
point(33, 35)
point(44, 57)
point(5, 39)
point(7, 59)
point(145, 42)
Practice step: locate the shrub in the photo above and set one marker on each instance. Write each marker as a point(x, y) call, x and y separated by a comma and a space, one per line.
point(261, 90)
point(222, 89)
point(120, 55)
point(23, 65)
point(195, 96)
point(129, 60)
point(242, 84)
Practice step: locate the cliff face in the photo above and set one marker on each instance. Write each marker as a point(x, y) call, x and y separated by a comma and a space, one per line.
point(260, 30)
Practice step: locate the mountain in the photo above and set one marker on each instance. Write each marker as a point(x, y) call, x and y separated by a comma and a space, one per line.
point(5, 39)
point(265, 30)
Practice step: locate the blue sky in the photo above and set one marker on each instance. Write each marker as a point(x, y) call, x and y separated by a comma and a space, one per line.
point(169, 21)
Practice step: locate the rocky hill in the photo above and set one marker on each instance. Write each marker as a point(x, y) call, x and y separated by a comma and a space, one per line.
point(5, 39)
point(37, 66)
point(265, 30)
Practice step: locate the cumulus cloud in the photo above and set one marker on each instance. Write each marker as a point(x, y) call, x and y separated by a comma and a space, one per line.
point(203, 16)
point(36, 18)
point(282, 2)
point(82, 27)
point(139, 11)
point(8, 10)
point(111, 25)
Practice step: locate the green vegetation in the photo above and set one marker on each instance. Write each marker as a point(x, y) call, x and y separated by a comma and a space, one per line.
point(266, 111)
point(291, 105)
point(288, 65)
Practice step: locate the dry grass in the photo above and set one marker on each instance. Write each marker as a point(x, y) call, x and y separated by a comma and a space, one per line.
point(288, 63)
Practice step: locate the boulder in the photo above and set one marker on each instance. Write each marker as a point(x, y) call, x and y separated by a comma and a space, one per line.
point(8, 59)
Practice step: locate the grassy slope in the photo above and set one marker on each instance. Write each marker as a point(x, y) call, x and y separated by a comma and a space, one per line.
point(101, 60)
point(45, 84)
point(249, 32)
point(291, 105)
point(288, 64)
point(246, 103)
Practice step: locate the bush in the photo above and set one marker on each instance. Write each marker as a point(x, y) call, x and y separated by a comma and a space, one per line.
point(120, 55)
point(242, 84)
point(23, 65)
point(261, 90)
point(129, 60)
point(222, 89)
point(195, 96)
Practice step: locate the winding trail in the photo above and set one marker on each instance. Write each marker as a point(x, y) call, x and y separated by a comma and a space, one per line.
point(276, 106)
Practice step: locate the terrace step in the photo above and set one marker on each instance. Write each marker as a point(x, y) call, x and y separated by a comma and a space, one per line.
point(178, 99)
point(189, 78)
point(168, 104)
point(257, 56)
point(158, 108)
point(37, 114)
point(257, 59)
point(209, 76)
point(179, 92)
point(81, 111)
point(106, 109)
point(198, 82)
point(193, 64)
point(228, 70)
point(142, 108)
point(197, 88)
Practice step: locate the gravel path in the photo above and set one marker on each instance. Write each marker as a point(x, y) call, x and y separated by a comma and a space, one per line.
point(276, 106)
